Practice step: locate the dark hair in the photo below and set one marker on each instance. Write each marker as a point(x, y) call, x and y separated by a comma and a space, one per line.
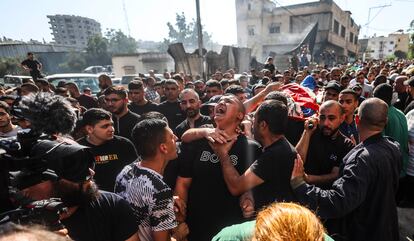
point(152, 115)
point(275, 114)
point(384, 92)
point(147, 135)
point(213, 83)
point(5, 106)
point(349, 92)
point(277, 95)
point(29, 53)
point(95, 115)
point(135, 84)
point(60, 90)
point(234, 89)
point(177, 77)
point(171, 82)
point(30, 87)
point(118, 90)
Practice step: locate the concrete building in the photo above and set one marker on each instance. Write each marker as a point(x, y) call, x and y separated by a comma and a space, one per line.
point(268, 29)
point(73, 30)
point(383, 47)
point(129, 64)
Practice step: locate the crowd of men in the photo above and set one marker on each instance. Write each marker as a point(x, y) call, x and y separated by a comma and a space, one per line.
point(182, 158)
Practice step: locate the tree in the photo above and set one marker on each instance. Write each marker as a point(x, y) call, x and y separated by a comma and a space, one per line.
point(97, 51)
point(400, 54)
point(75, 62)
point(119, 43)
point(186, 33)
point(10, 66)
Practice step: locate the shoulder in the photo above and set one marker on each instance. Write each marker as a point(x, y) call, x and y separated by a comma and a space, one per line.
point(133, 115)
point(120, 140)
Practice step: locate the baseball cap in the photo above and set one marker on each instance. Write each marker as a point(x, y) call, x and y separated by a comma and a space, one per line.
point(333, 85)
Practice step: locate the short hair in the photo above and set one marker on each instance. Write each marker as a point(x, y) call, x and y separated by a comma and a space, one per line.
point(152, 115)
point(42, 82)
point(135, 84)
point(30, 87)
point(235, 89)
point(29, 53)
point(177, 77)
point(288, 221)
point(147, 135)
point(60, 90)
point(349, 92)
point(384, 92)
point(186, 91)
point(118, 90)
point(5, 106)
point(373, 114)
point(380, 79)
point(275, 114)
point(330, 103)
point(11, 231)
point(171, 82)
point(94, 115)
point(214, 83)
point(104, 77)
point(277, 95)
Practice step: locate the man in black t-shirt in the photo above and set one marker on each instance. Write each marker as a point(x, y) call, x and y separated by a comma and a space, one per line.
point(111, 152)
point(136, 94)
point(269, 175)
point(33, 66)
point(210, 206)
point(116, 102)
point(171, 107)
point(190, 104)
point(323, 146)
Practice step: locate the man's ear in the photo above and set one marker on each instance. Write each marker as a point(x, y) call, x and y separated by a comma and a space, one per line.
point(240, 116)
point(163, 148)
point(89, 129)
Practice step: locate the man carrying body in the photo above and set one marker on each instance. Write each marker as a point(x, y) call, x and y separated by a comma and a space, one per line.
point(111, 152)
point(116, 102)
point(190, 104)
point(367, 184)
point(136, 94)
point(323, 146)
point(33, 66)
point(201, 184)
point(142, 185)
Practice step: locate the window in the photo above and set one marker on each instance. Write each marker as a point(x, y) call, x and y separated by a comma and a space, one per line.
point(336, 27)
point(343, 31)
point(399, 40)
point(356, 39)
point(274, 28)
point(351, 37)
point(389, 50)
point(249, 7)
point(250, 30)
point(391, 42)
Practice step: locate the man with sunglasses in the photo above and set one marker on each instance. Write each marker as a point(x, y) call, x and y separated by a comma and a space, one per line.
point(111, 152)
point(116, 102)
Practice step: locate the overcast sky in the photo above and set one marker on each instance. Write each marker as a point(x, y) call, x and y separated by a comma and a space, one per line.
point(24, 20)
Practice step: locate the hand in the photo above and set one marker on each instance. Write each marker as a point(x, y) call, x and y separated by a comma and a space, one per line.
point(247, 126)
point(180, 209)
point(311, 122)
point(216, 135)
point(298, 170)
point(247, 206)
point(274, 86)
point(180, 232)
point(224, 148)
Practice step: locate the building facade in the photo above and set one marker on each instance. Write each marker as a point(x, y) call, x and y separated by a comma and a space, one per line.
point(267, 28)
point(130, 64)
point(383, 47)
point(73, 30)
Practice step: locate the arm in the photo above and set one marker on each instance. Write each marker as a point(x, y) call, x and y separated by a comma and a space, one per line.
point(327, 178)
point(181, 187)
point(237, 184)
point(247, 204)
point(134, 237)
point(211, 134)
point(253, 102)
point(161, 235)
point(303, 145)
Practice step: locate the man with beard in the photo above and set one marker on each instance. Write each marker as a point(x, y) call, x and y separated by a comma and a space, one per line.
point(190, 104)
point(104, 82)
point(116, 102)
point(200, 183)
point(322, 147)
point(171, 107)
point(111, 152)
point(7, 129)
point(269, 175)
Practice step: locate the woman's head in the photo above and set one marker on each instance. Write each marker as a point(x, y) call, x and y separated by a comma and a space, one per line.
point(287, 222)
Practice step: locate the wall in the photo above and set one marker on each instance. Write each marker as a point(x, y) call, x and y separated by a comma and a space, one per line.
point(141, 63)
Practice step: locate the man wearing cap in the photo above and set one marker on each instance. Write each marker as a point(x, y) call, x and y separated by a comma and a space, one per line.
point(331, 92)
point(190, 104)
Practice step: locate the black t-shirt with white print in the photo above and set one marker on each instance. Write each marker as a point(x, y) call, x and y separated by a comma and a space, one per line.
point(210, 205)
point(150, 198)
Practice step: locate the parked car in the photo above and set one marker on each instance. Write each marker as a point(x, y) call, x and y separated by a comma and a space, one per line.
point(14, 80)
point(94, 69)
point(128, 78)
point(82, 80)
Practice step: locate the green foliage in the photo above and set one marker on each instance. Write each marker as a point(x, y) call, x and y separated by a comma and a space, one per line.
point(186, 33)
point(97, 51)
point(74, 62)
point(390, 58)
point(119, 43)
point(400, 54)
point(10, 66)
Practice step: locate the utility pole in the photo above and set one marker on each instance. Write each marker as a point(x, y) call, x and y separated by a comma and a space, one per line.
point(369, 15)
point(200, 39)
point(126, 18)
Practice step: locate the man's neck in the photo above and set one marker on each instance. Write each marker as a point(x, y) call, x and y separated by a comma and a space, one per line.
point(349, 119)
point(94, 141)
point(230, 130)
point(124, 112)
point(365, 134)
point(6, 129)
point(270, 139)
point(141, 102)
point(156, 164)
point(172, 101)
point(191, 121)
